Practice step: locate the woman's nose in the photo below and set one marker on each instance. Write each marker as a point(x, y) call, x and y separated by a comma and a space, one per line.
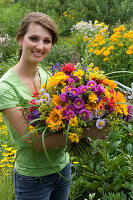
point(40, 46)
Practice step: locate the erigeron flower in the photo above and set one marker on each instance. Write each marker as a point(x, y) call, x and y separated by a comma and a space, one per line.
point(100, 123)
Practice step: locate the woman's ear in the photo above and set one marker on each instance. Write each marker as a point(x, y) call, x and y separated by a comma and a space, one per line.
point(20, 41)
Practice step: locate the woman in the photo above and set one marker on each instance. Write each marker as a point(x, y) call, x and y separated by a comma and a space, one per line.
point(34, 177)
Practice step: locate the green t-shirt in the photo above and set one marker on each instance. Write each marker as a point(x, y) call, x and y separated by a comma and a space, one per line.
point(28, 161)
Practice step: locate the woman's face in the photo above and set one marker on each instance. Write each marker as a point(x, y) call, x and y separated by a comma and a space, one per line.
point(36, 43)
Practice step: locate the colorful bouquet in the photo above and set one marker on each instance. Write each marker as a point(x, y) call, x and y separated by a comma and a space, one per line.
point(74, 99)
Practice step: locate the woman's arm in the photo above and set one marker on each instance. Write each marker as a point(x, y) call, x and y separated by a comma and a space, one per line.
point(18, 122)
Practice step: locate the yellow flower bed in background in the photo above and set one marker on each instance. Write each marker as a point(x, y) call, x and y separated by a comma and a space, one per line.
point(6, 152)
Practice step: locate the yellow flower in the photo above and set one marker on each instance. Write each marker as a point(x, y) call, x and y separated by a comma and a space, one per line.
point(32, 128)
point(90, 50)
point(54, 119)
point(111, 47)
point(75, 162)
point(110, 83)
point(73, 137)
point(57, 101)
point(57, 78)
point(79, 73)
point(105, 59)
point(120, 103)
point(107, 93)
point(95, 69)
point(120, 45)
point(130, 47)
point(106, 53)
point(92, 98)
point(84, 166)
point(73, 121)
point(129, 52)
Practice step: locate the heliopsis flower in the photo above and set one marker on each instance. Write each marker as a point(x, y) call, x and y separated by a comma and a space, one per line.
point(73, 121)
point(54, 120)
point(57, 101)
point(92, 98)
point(119, 103)
point(79, 73)
point(73, 137)
point(100, 123)
point(110, 83)
point(57, 78)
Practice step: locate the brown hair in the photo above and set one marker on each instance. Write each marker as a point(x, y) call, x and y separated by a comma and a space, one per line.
point(39, 18)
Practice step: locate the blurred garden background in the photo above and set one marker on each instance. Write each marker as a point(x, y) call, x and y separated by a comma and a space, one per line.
point(101, 33)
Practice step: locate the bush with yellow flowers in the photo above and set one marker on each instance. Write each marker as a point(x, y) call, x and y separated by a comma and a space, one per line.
point(112, 52)
point(6, 151)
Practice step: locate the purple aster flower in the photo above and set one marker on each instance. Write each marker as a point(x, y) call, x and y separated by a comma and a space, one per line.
point(100, 123)
point(59, 107)
point(84, 113)
point(79, 103)
point(99, 113)
point(63, 97)
point(69, 108)
point(74, 92)
point(130, 112)
point(69, 115)
point(100, 89)
point(82, 89)
point(68, 88)
point(70, 81)
point(92, 84)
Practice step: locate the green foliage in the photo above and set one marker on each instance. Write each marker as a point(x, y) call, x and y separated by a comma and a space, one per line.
point(108, 172)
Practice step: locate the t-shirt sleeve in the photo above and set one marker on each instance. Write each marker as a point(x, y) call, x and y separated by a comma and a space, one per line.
point(8, 97)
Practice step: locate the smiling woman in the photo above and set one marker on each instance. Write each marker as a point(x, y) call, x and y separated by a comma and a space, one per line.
point(33, 175)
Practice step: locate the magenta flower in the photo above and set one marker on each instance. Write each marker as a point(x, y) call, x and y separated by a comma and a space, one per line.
point(130, 112)
point(92, 85)
point(70, 81)
point(79, 103)
point(59, 107)
point(84, 113)
point(100, 89)
point(100, 123)
point(74, 92)
point(69, 108)
point(63, 97)
point(82, 89)
point(69, 115)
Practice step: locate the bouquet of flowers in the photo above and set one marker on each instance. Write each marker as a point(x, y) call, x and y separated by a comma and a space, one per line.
point(74, 99)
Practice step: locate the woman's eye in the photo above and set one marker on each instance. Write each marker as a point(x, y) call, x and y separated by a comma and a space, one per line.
point(33, 39)
point(47, 41)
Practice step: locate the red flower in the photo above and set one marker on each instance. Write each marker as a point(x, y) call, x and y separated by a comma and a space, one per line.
point(35, 93)
point(32, 103)
point(68, 68)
